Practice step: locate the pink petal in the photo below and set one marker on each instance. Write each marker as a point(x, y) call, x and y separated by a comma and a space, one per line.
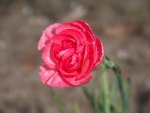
point(46, 57)
point(66, 26)
point(79, 37)
point(77, 82)
point(66, 52)
point(87, 65)
point(47, 34)
point(84, 25)
point(87, 29)
point(99, 52)
point(55, 44)
point(78, 26)
point(51, 78)
point(85, 79)
point(44, 68)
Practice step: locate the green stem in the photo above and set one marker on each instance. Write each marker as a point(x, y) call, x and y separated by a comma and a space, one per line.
point(122, 91)
point(116, 69)
point(104, 92)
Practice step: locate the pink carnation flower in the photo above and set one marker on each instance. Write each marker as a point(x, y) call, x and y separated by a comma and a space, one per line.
point(70, 51)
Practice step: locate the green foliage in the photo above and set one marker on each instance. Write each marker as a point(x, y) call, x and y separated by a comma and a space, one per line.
point(108, 100)
point(112, 97)
point(59, 103)
point(76, 108)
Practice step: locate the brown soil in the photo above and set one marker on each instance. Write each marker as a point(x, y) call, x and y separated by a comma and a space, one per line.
point(123, 25)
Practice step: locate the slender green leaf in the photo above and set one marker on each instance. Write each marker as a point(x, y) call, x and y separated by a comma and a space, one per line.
point(91, 96)
point(104, 92)
point(114, 89)
point(60, 104)
point(76, 108)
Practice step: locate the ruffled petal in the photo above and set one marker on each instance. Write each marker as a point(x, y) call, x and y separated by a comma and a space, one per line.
point(66, 26)
point(84, 80)
point(88, 58)
point(79, 26)
point(99, 52)
point(51, 78)
point(79, 37)
point(46, 57)
point(84, 26)
point(47, 34)
point(77, 82)
point(56, 44)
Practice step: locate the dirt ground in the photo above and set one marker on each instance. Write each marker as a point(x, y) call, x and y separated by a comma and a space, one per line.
point(123, 25)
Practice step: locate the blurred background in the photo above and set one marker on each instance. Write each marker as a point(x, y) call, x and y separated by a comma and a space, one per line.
point(123, 25)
